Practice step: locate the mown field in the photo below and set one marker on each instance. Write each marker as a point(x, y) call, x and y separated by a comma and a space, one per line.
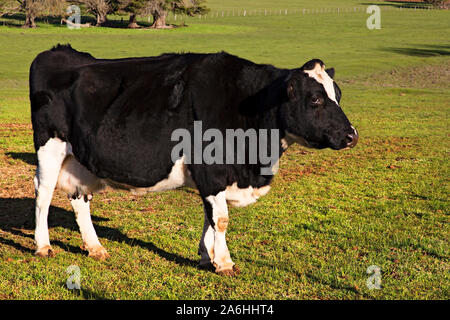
point(329, 216)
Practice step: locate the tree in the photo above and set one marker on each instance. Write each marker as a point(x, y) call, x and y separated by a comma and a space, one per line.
point(8, 7)
point(133, 7)
point(159, 9)
point(443, 4)
point(99, 8)
point(32, 9)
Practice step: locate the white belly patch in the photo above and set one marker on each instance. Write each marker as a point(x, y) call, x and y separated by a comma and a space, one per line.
point(75, 180)
point(179, 176)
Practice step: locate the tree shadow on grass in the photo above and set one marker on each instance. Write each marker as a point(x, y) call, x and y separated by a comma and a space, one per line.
point(17, 218)
point(431, 51)
point(398, 4)
point(18, 20)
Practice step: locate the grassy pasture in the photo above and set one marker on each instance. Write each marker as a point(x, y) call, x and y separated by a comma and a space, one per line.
point(329, 215)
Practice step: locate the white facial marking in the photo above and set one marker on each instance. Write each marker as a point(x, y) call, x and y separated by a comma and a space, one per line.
point(321, 76)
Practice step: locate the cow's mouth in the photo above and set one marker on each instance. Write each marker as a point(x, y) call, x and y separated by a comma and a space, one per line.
point(300, 140)
point(304, 143)
point(350, 140)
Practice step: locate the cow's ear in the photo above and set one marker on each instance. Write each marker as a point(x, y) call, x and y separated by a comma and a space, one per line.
point(330, 72)
point(291, 88)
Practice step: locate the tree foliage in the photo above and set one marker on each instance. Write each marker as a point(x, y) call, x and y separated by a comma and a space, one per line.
point(33, 9)
point(443, 4)
point(99, 8)
point(158, 9)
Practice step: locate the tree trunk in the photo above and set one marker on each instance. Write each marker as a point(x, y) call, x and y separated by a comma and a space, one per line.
point(133, 22)
point(29, 21)
point(101, 19)
point(159, 19)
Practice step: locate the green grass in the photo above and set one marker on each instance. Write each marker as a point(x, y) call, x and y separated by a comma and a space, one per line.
point(329, 215)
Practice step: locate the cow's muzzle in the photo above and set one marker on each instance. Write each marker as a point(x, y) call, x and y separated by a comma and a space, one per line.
point(352, 138)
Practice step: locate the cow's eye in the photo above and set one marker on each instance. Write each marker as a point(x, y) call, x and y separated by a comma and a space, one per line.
point(316, 101)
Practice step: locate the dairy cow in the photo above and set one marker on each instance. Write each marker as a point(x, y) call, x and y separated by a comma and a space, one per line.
point(100, 123)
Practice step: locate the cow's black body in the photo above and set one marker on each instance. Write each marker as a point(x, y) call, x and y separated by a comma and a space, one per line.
point(119, 114)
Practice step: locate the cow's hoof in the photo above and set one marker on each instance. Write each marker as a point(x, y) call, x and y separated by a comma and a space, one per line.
point(45, 251)
point(234, 271)
point(98, 253)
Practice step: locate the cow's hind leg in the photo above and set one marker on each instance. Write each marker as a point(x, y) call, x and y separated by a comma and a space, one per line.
point(217, 213)
point(50, 158)
point(90, 240)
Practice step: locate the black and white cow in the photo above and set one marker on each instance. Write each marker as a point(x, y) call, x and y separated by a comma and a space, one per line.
point(101, 123)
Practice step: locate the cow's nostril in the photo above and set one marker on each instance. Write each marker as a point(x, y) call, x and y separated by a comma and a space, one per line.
point(352, 139)
point(349, 139)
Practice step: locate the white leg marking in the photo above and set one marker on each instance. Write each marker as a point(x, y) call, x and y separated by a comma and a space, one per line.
point(50, 158)
point(222, 260)
point(90, 240)
point(206, 246)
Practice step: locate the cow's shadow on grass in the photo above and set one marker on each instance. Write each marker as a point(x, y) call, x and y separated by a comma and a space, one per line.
point(27, 157)
point(17, 218)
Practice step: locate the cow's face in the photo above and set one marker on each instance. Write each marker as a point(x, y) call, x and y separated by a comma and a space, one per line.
point(312, 116)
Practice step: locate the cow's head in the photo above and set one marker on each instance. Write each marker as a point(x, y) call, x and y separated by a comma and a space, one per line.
point(312, 116)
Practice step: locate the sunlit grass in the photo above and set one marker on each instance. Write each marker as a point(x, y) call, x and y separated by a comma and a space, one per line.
point(329, 215)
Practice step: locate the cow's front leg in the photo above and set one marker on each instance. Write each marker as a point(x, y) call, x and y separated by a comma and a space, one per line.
point(206, 246)
point(217, 213)
point(90, 240)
